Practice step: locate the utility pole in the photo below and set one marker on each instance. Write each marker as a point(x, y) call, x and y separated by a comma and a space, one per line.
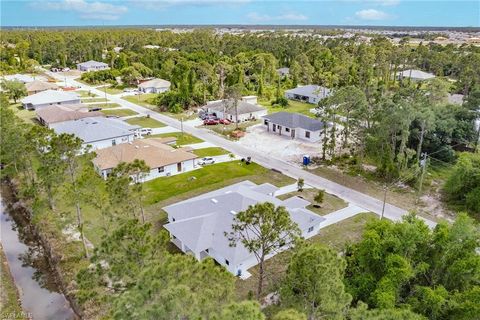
point(181, 125)
point(385, 189)
point(423, 164)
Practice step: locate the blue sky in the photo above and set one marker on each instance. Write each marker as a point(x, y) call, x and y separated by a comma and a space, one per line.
point(457, 13)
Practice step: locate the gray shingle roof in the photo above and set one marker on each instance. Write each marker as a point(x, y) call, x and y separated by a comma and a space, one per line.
point(310, 90)
point(242, 107)
point(92, 63)
point(294, 120)
point(50, 96)
point(201, 222)
point(415, 74)
point(95, 128)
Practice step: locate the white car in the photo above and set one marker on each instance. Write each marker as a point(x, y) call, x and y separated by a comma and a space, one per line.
point(205, 161)
point(146, 131)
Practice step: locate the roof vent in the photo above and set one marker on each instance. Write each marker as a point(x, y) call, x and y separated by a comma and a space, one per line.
point(214, 200)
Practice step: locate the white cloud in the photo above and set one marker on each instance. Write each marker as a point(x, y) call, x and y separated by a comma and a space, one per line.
point(159, 4)
point(372, 14)
point(257, 17)
point(87, 10)
point(376, 2)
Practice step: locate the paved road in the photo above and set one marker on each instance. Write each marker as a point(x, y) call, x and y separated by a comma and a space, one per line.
point(352, 196)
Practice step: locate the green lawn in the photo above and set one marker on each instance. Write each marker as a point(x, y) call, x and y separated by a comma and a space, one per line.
point(188, 115)
point(336, 236)
point(182, 138)
point(143, 100)
point(330, 203)
point(210, 152)
point(119, 112)
point(111, 90)
point(28, 116)
point(10, 303)
point(85, 94)
point(293, 106)
point(88, 100)
point(208, 178)
point(145, 122)
point(104, 105)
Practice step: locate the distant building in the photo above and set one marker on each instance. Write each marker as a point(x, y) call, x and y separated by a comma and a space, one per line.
point(455, 98)
point(415, 75)
point(37, 86)
point(48, 98)
point(282, 72)
point(23, 78)
point(294, 125)
point(162, 159)
point(50, 115)
point(199, 226)
point(98, 132)
point(309, 93)
point(154, 86)
point(247, 109)
point(92, 65)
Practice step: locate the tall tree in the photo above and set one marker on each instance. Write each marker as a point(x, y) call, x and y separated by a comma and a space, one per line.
point(262, 229)
point(314, 283)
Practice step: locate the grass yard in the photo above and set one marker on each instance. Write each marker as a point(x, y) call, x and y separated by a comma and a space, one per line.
point(85, 94)
point(210, 152)
point(119, 112)
point(104, 105)
point(208, 178)
point(29, 116)
point(293, 106)
point(182, 138)
point(336, 236)
point(10, 303)
point(186, 115)
point(330, 203)
point(143, 100)
point(111, 90)
point(88, 100)
point(145, 122)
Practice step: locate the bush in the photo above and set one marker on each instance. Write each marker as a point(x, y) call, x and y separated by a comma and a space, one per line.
point(280, 102)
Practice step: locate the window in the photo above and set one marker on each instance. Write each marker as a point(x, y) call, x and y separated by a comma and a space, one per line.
point(310, 229)
point(114, 142)
point(227, 262)
point(287, 129)
point(173, 219)
point(161, 169)
point(307, 134)
point(206, 250)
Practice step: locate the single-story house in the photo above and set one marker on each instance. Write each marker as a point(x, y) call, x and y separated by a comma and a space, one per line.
point(310, 93)
point(23, 78)
point(37, 86)
point(98, 132)
point(50, 115)
point(92, 65)
point(48, 98)
point(282, 72)
point(197, 226)
point(154, 86)
point(247, 109)
point(162, 159)
point(294, 125)
point(415, 75)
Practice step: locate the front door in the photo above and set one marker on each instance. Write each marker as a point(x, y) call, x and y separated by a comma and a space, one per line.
point(179, 167)
point(293, 133)
point(274, 127)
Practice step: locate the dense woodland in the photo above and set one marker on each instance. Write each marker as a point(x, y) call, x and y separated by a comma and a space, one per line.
point(396, 271)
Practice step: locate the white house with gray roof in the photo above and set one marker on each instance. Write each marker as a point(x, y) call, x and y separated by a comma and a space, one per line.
point(98, 132)
point(92, 65)
point(294, 125)
point(415, 75)
point(247, 109)
point(310, 93)
point(49, 98)
point(198, 226)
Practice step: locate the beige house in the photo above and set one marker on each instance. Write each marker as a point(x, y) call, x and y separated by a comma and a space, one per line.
point(37, 86)
point(162, 159)
point(50, 115)
point(154, 86)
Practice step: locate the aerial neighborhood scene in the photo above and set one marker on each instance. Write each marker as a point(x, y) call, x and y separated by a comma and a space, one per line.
point(240, 160)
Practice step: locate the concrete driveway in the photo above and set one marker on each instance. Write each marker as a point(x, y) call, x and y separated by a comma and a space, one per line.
point(290, 150)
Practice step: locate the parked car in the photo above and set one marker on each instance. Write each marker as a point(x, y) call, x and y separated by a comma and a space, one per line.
point(146, 131)
point(204, 161)
point(210, 122)
point(206, 115)
point(224, 121)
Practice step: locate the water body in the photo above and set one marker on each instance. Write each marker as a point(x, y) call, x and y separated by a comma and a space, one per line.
point(39, 295)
